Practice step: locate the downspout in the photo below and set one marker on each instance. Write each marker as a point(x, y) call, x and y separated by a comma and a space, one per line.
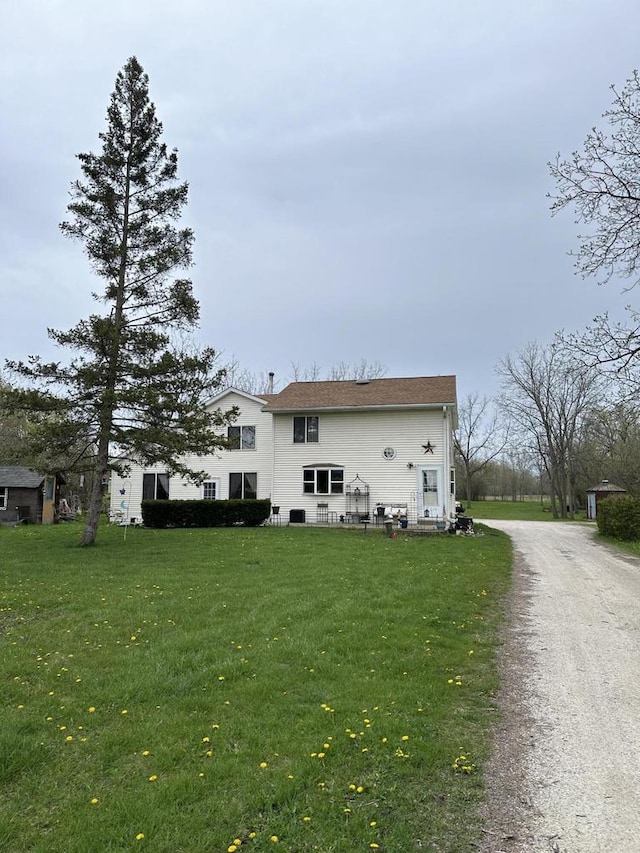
point(446, 463)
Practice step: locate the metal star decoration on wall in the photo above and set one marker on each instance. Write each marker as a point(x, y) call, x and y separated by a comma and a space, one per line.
point(428, 447)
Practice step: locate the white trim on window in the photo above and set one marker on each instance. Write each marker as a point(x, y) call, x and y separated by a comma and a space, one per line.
point(242, 437)
point(4, 497)
point(210, 490)
point(155, 485)
point(306, 429)
point(322, 480)
point(243, 485)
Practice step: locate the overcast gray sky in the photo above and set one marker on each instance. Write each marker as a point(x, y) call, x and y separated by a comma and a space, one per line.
point(367, 178)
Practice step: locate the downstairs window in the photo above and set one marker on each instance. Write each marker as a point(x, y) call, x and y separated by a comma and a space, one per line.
point(243, 486)
point(323, 481)
point(155, 487)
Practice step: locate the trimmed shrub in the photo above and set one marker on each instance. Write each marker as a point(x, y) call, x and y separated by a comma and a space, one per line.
point(250, 513)
point(619, 517)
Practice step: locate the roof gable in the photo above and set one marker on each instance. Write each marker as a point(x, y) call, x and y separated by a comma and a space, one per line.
point(217, 398)
point(410, 392)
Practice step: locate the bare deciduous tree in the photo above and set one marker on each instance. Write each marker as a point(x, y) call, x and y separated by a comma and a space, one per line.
point(236, 376)
point(601, 183)
point(480, 438)
point(550, 397)
point(340, 370)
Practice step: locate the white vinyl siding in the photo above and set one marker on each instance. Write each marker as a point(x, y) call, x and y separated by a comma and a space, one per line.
point(356, 441)
point(217, 466)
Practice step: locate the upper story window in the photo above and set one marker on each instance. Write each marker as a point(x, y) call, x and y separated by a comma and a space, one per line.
point(305, 429)
point(155, 487)
point(242, 437)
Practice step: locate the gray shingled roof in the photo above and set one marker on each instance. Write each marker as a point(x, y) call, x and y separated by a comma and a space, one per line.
point(374, 393)
point(606, 486)
point(20, 476)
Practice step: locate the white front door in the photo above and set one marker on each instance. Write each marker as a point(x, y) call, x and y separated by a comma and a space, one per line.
point(429, 492)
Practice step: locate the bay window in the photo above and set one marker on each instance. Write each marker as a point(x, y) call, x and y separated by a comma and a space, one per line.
point(322, 481)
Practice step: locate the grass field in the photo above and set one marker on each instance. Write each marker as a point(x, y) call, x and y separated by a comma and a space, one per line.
point(517, 510)
point(246, 689)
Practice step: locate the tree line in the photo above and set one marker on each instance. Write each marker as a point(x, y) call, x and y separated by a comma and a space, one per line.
point(556, 428)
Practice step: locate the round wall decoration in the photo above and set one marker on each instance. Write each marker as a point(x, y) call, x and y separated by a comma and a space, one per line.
point(389, 452)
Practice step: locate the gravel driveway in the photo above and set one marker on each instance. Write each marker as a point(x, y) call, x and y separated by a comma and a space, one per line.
point(566, 766)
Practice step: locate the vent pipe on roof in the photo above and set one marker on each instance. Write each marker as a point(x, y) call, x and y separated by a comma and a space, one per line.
point(270, 384)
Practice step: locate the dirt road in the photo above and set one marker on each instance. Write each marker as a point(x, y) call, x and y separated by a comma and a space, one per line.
point(566, 768)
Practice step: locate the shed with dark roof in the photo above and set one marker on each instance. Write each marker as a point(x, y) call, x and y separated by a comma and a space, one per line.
point(27, 495)
point(598, 493)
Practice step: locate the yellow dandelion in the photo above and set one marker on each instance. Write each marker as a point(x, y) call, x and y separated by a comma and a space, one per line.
point(263, 764)
point(206, 739)
point(140, 836)
point(232, 848)
point(274, 839)
point(146, 752)
point(94, 801)
point(306, 819)
point(91, 709)
point(404, 737)
point(153, 778)
point(69, 738)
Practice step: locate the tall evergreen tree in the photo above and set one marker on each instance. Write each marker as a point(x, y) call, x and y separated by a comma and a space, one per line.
point(131, 391)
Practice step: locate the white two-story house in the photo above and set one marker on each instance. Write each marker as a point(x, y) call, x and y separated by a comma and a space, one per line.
point(325, 451)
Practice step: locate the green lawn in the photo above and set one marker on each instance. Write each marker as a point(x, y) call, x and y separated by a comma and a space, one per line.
point(252, 689)
point(517, 510)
